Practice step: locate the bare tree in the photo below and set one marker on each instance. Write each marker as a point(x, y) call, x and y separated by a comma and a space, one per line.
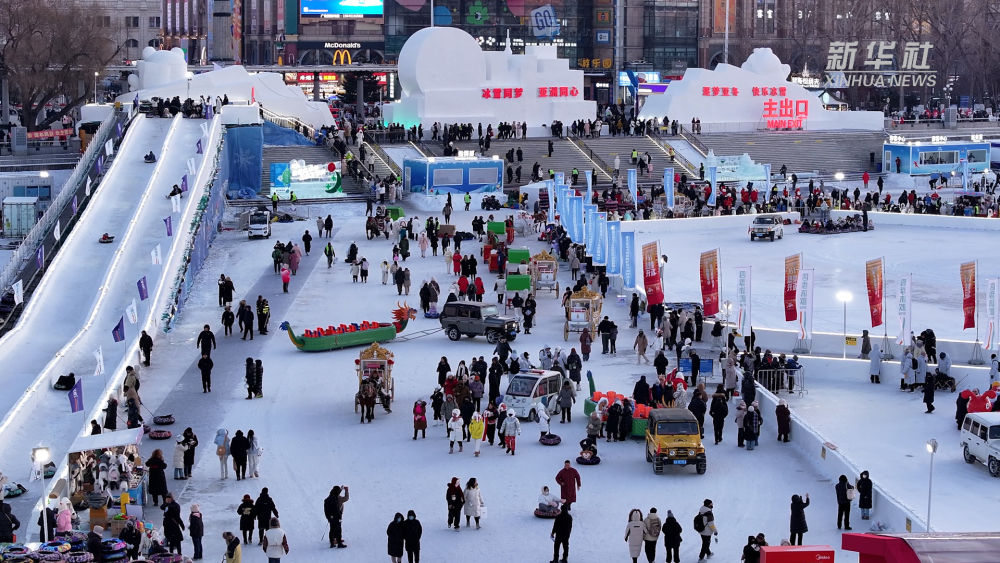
point(50, 51)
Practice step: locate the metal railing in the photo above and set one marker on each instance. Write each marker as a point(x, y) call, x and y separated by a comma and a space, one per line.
point(378, 152)
point(308, 131)
point(783, 380)
point(28, 248)
point(593, 156)
point(691, 138)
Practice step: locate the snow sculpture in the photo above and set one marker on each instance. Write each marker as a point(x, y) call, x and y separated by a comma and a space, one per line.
point(756, 95)
point(446, 77)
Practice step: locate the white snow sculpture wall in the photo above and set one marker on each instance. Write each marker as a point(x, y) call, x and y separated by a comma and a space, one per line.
point(756, 95)
point(446, 77)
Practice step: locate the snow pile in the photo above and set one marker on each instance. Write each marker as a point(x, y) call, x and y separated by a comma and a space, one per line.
point(164, 74)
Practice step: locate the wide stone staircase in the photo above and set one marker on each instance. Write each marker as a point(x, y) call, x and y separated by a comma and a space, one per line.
point(608, 147)
point(821, 152)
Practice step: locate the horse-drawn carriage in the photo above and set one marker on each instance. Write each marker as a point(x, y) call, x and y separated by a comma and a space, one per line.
point(543, 270)
point(582, 311)
point(375, 385)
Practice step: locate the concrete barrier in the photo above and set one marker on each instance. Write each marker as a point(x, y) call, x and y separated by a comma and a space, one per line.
point(927, 221)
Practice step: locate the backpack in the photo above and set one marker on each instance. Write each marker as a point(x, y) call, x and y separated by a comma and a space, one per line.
point(699, 523)
point(913, 363)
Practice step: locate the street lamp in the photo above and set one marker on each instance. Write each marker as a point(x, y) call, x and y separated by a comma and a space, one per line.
point(845, 297)
point(39, 457)
point(839, 176)
point(96, 74)
point(932, 446)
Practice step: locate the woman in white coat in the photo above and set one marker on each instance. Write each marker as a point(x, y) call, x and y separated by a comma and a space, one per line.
point(253, 455)
point(906, 370)
point(875, 360)
point(179, 448)
point(634, 531)
point(473, 502)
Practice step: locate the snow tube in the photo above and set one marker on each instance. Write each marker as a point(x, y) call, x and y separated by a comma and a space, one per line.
point(16, 490)
point(76, 540)
point(113, 544)
point(588, 461)
point(160, 434)
point(48, 556)
point(550, 440)
point(79, 556)
point(108, 240)
point(164, 420)
point(540, 514)
point(55, 546)
point(13, 550)
point(166, 558)
point(115, 556)
point(16, 559)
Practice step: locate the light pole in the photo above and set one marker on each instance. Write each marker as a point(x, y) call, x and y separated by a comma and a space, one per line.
point(932, 446)
point(845, 297)
point(39, 457)
point(96, 74)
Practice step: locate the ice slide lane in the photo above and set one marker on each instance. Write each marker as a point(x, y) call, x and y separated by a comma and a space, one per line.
point(111, 285)
point(71, 283)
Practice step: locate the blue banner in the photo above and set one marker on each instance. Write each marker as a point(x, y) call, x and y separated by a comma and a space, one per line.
point(590, 187)
point(614, 247)
point(668, 186)
point(600, 252)
point(143, 288)
point(40, 257)
point(76, 396)
point(628, 259)
point(713, 172)
point(767, 176)
point(550, 189)
point(633, 186)
point(576, 219)
point(590, 226)
point(560, 178)
point(184, 183)
point(561, 201)
point(118, 333)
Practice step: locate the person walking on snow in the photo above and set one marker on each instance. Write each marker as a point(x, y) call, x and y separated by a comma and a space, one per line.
point(797, 523)
point(146, 346)
point(206, 341)
point(510, 428)
point(569, 483)
point(286, 277)
point(474, 502)
point(640, 345)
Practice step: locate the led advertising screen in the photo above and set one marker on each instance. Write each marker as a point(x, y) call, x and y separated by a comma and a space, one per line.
point(342, 9)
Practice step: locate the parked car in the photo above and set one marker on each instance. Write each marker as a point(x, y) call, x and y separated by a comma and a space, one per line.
point(981, 440)
point(767, 226)
point(673, 438)
point(477, 319)
point(530, 391)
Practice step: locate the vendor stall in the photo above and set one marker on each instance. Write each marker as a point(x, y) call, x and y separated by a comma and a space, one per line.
point(106, 469)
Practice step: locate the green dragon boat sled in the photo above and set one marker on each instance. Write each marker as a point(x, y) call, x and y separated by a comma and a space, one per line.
point(348, 335)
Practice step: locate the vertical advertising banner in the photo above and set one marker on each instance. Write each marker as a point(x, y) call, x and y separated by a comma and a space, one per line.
point(710, 282)
point(628, 259)
point(903, 310)
point(550, 189)
point(651, 273)
point(590, 187)
point(743, 325)
point(600, 239)
point(668, 186)
point(804, 296)
point(560, 178)
point(237, 31)
point(633, 186)
point(792, 265)
point(874, 280)
point(968, 273)
point(992, 311)
point(713, 174)
point(614, 247)
point(589, 226)
point(576, 218)
point(169, 4)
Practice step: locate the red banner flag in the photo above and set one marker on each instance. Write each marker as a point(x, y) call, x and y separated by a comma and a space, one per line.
point(792, 265)
point(874, 280)
point(968, 273)
point(651, 273)
point(710, 282)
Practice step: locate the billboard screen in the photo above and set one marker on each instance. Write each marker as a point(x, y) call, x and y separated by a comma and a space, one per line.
point(645, 77)
point(341, 9)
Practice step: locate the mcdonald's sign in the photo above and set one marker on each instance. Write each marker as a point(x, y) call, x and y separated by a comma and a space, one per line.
point(342, 57)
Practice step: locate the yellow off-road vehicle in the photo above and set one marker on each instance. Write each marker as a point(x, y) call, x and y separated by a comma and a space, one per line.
point(673, 438)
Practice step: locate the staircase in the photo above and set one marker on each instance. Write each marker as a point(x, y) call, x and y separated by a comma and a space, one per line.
point(823, 152)
point(608, 147)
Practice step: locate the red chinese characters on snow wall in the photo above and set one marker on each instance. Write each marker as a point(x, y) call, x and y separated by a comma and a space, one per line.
point(779, 111)
point(543, 92)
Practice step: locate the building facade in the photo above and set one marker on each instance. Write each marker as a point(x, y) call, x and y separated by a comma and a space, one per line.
point(131, 24)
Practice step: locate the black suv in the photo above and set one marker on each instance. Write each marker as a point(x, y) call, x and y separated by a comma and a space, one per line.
point(477, 319)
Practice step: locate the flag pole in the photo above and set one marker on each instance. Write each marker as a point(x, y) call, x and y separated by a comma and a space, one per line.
point(977, 351)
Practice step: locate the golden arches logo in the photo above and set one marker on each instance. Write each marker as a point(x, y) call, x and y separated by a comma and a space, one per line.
point(342, 55)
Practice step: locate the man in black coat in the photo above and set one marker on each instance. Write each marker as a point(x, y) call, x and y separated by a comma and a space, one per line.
point(562, 527)
point(246, 319)
point(206, 341)
point(146, 345)
point(605, 327)
point(698, 407)
point(263, 507)
point(8, 523)
point(238, 448)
